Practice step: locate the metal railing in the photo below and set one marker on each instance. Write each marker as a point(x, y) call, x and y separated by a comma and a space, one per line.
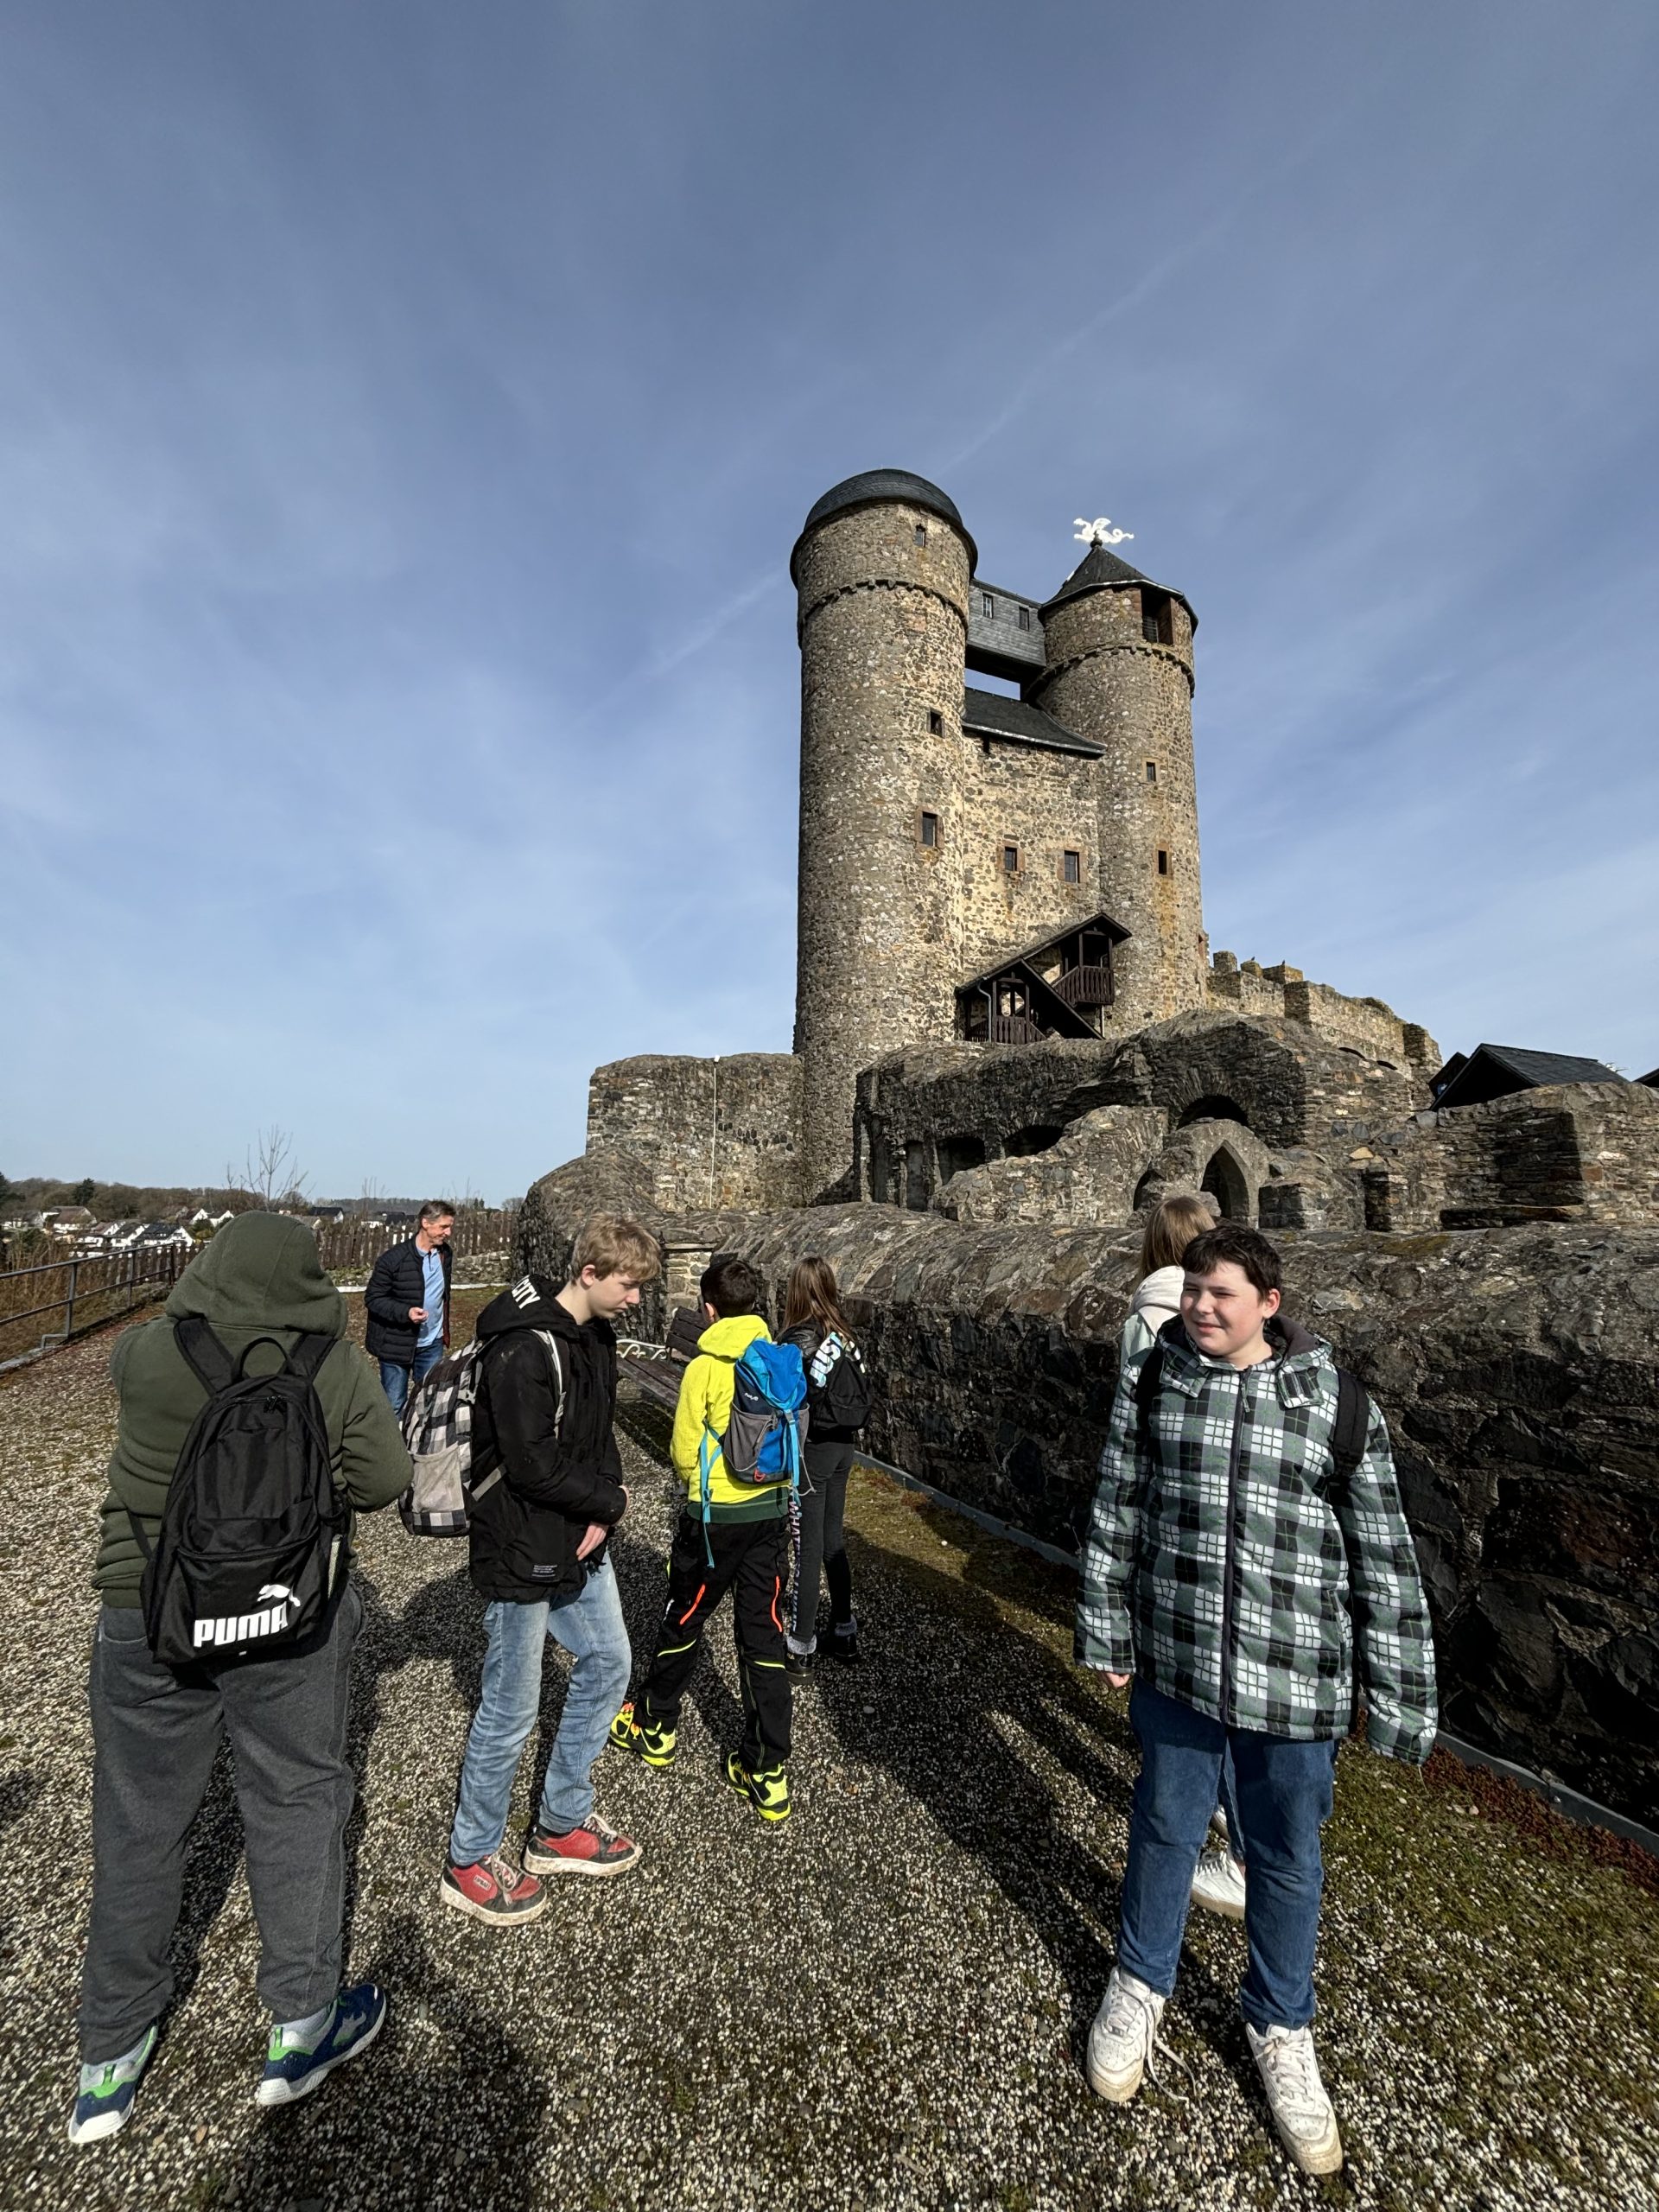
point(112, 1285)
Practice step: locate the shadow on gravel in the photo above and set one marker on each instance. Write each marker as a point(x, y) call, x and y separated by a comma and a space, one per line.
point(448, 2112)
point(942, 1715)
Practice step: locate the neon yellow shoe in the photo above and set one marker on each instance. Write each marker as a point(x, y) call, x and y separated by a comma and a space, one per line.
point(767, 1788)
point(653, 1741)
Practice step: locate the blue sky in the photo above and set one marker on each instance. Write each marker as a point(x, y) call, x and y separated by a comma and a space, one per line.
point(406, 411)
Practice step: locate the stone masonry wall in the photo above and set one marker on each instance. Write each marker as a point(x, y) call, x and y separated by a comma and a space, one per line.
point(1517, 1369)
point(1284, 994)
point(1043, 802)
point(1568, 1152)
point(710, 1132)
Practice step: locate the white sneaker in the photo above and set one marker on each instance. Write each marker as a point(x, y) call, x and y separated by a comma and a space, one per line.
point(1121, 2041)
point(1218, 1884)
point(1301, 2111)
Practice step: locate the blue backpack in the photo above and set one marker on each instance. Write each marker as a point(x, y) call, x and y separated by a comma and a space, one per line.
point(768, 1428)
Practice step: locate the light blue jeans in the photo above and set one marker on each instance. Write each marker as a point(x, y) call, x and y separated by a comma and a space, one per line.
point(397, 1382)
point(589, 1622)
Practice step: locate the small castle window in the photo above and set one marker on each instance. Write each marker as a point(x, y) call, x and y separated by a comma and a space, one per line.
point(1152, 771)
point(1025, 618)
point(1072, 868)
point(921, 533)
point(987, 604)
point(935, 723)
point(1163, 863)
point(1010, 860)
point(1157, 618)
point(930, 831)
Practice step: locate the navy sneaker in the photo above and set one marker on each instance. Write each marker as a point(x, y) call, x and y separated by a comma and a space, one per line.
point(359, 2015)
point(106, 2106)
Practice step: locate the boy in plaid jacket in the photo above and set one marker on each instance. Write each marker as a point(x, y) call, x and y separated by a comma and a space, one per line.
point(1253, 1589)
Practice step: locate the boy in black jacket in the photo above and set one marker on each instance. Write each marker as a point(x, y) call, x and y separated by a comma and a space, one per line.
point(538, 1558)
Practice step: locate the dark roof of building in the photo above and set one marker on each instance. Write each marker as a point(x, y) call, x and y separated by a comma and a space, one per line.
point(1497, 1071)
point(993, 713)
point(1104, 923)
point(877, 487)
point(1651, 1078)
point(1100, 569)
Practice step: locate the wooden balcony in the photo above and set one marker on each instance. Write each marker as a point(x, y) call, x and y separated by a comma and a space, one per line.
point(1013, 1029)
point(1083, 987)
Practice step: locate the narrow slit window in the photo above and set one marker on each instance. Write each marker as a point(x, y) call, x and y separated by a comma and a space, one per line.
point(935, 723)
point(1152, 771)
point(921, 533)
point(1010, 860)
point(1163, 863)
point(1157, 621)
point(930, 831)
point(1072, 868)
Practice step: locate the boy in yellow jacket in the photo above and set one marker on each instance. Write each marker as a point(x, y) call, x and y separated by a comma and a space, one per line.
point(743, 1547)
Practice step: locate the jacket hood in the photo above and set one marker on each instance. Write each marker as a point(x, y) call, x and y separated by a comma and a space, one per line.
point(731, 1338)
point(1160, 1289)
point(532, 1302)
point(260, 1271)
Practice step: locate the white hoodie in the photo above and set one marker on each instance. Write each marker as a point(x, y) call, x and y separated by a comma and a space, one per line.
point(1157, 1299)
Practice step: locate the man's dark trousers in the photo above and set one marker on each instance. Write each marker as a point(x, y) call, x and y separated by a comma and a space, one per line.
point(156, 1732)
point(751, 1560)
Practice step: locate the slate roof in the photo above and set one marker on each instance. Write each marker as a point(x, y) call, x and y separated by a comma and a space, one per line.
point(876, 486)
point(1497, 1071)
point(1651, 1079)
point(993, 713)
point(1100, 569)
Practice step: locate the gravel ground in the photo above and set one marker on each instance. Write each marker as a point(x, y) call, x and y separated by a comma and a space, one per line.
point(881, 2004)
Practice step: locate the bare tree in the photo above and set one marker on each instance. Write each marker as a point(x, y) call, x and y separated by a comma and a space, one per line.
point(272, 1171)
point(371, 1197)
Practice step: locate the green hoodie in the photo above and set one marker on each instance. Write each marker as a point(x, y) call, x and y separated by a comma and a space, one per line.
point(260, 1276)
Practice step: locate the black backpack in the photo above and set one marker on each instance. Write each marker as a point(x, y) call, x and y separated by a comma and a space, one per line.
point(843, 1399)
point(1348, 1432)
point(243, 1562)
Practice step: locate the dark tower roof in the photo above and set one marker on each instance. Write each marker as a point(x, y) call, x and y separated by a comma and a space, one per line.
point(878, 486)
point(1100, 569)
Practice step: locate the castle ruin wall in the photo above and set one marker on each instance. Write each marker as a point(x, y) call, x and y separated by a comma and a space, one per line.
point(709, 1132)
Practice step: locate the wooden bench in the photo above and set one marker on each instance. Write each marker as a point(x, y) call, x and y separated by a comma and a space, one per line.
point(659, 1379)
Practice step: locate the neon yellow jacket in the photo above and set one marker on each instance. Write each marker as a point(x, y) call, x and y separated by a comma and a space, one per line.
point(706, 1404)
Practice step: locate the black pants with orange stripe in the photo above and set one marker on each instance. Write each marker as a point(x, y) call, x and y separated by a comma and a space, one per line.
point(751, 1560)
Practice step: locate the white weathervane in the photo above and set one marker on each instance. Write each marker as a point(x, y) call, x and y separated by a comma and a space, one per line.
point(1101, 531)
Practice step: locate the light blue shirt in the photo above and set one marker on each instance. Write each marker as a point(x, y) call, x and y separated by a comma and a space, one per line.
point(432, 1267)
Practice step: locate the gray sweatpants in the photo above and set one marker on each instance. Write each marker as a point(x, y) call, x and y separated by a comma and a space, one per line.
point(154, 1734)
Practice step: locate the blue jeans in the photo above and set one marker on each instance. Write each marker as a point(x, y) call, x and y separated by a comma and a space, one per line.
point(589, 1622)
point(397, 1382)
point(1282, 1794)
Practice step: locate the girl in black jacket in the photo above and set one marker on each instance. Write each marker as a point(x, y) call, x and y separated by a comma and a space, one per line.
point(814, 1324)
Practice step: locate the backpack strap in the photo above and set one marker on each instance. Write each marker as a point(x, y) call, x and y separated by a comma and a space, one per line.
point(1148, 1383)
point(308, 1355)
point(204, 1355)
point(1351, 1426)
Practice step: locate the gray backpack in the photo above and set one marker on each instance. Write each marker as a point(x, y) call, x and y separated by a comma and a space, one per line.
point(438, 1431)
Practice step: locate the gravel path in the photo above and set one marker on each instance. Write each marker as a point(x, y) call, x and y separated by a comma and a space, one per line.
point(880, 2006)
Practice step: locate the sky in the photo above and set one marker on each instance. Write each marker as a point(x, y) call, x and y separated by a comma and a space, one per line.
point(407, 410)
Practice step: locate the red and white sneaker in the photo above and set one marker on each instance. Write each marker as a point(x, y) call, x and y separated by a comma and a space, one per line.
point(494, 1890)
point(593, 1848)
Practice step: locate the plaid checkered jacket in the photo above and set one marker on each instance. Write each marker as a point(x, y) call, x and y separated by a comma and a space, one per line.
point(1226, 1566)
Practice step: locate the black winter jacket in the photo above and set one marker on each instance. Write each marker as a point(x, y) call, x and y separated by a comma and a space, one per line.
point(396, 1282)
point(555, 1479)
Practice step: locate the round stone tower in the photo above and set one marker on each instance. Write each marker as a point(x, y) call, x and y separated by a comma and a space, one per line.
point(1118, 650)
point(881, 568)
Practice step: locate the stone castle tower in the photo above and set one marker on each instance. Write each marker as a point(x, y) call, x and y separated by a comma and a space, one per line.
point(975, 864)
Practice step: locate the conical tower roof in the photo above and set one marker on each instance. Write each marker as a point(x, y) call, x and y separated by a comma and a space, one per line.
point(1100, 569)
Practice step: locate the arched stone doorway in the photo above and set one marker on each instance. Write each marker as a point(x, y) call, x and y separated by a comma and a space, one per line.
point(1214, 1107)
point(1225, 1180)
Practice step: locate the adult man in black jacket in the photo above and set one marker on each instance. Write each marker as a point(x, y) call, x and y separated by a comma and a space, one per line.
point(408, 1303)
point(539, 1559)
